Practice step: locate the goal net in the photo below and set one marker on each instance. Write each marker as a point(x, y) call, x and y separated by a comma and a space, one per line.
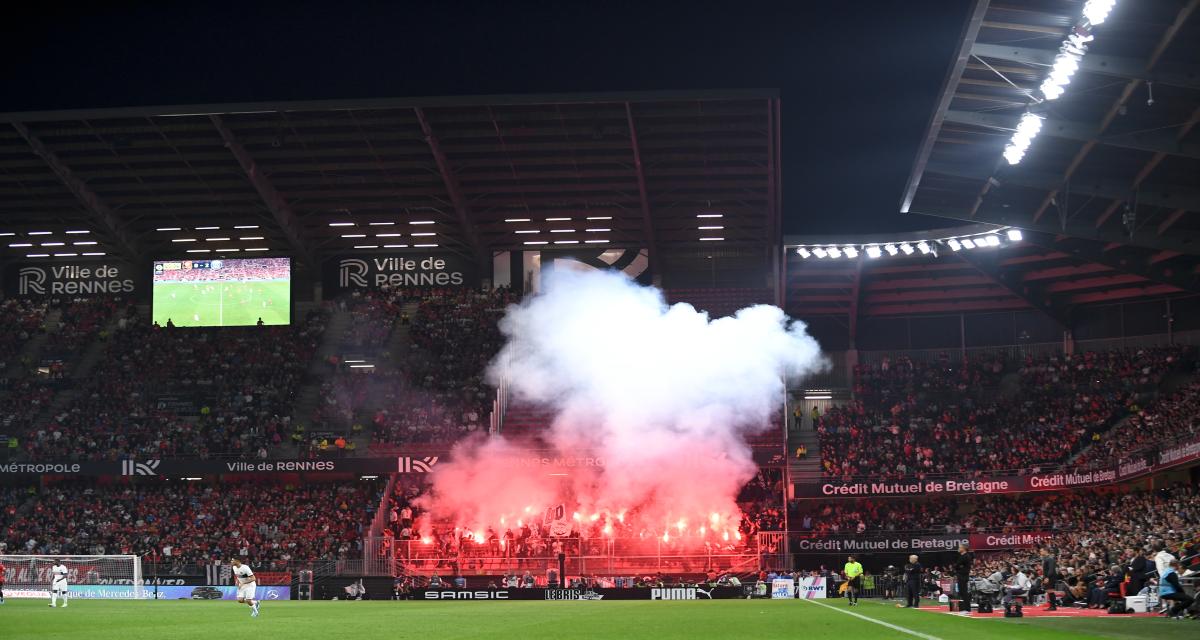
point(117, 577)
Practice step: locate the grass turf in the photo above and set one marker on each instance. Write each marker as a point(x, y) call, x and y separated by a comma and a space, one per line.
point(368, 620)
point(222, 304)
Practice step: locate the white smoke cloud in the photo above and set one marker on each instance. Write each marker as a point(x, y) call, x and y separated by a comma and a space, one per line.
point(664, 395)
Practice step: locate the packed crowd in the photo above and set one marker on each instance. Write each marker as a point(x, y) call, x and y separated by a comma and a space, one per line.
point(247, 377)
point(1175, 419)
point(898, 428)
point(82, 321)
point(373, 315)
point(20, 320)
point(225, 270)
point(189, 523)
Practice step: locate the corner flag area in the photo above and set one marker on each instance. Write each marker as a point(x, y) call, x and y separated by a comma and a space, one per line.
point(222, 304)
point(368, 620)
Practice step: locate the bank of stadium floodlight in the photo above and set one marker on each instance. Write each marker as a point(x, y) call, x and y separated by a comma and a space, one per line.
point(923, 247)
point(968, 243)
point(801, 251)
point(1014, 235)
point(874, 251)
point(850, 252)
point(834, 252)
point(1096, 11)
point(955, 245)
point(991, 240)
point(818, 252)
point(891, 249)
point(1026, 131)
point(906, 248)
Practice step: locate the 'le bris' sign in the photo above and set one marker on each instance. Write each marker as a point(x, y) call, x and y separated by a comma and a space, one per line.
point(376, 271)
point(54, 279)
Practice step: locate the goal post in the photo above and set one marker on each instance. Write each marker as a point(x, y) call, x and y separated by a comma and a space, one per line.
point(90, 577)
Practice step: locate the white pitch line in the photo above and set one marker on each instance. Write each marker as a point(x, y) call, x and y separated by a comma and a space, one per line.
point(889, 625)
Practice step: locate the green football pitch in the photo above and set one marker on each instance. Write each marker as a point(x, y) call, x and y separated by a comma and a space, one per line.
point(370, 620)
point(222, 304)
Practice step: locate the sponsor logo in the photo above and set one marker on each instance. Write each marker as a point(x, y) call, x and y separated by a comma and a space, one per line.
point(31, 280)
point(132, 468)
point(466, 595)
point(409, 464)
point(572, 594)
point(679, 593)
point(352, 271)
point(40, 468)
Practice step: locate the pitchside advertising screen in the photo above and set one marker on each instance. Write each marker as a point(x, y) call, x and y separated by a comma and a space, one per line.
point(126, 592)
point(222, 293)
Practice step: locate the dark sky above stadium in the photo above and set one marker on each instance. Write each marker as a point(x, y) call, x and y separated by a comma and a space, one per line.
point(858, 79)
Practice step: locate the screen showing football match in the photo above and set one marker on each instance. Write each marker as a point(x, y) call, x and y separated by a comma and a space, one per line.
point(222, 293)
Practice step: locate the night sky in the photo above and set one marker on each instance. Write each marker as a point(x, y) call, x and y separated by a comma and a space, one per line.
point(858, 79)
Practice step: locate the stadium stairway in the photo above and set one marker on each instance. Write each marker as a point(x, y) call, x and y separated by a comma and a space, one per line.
point(809, 467)
point(22, 365)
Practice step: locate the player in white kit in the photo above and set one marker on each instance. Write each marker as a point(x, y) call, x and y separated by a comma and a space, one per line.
point(58, 583)
point(246, 584)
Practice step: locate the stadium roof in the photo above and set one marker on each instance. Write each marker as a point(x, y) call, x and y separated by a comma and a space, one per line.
point(1103, 150)
point(463, 174)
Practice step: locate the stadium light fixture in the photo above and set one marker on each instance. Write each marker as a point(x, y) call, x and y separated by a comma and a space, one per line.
point(891, 249)
point(834, 252)
point(906, 248)
point(207, 228)
point(199, 250)
point(850, 252)
point(65, 255)
point(354, 235)
point(256, 249)
point(228, 250)
point(14, 245)
point(245, 226)
point(423, 233)
point(1096, 11)
point(874, 251)
point(606, 230)
point(341, 224)
point(191, 479)
point(219, 239)
point(955, 245)
point(250, 238)
point(183, 240)
point(711, 239)
point(6, 234)
point(366, 246)
point(523, 231)
point(558, 219)
point(40, 233)
point(601, 241)
point(566, 242)
point(395, 246)
point(77, 232)
point(803, 253)
point(381, 224)
point(537, 242)
point(425, 246)
point(599, 217)
point(1026, 131)
point(710, 215)
point(561, 231)
point(968, 243)
point(37, 255)
point(1014, 235)
point(52, 244)
point(388, 235)
point(169, 229)
point(923, 247)
point(818, 252)
point(421, 222)
point(516, 219)
point(992, 240)
point(93, 253)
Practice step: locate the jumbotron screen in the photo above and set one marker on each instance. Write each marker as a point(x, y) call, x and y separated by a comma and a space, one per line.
point(222, 293)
